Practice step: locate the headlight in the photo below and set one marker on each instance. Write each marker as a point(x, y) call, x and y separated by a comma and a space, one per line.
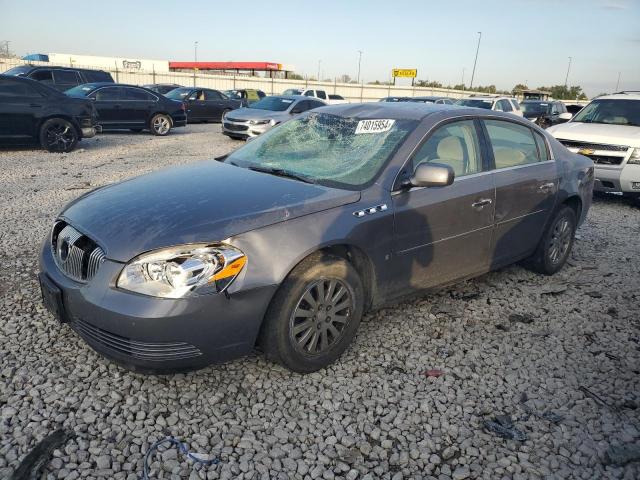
point(178, 272)
point(635, 157)
point(259, 122)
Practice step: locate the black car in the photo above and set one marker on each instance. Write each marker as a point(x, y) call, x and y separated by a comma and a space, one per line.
point(131, 107)
point(432, 99)
point(32, 112)
point(162, 88)
point(205, 104)
point(545, 113)
point(60, 78)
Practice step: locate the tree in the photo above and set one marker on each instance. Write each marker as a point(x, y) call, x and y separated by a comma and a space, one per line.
point(562, 92)
point(5, 52)
point(520, 86)
point(295, 76)
point(344, 78)
point(428, 83)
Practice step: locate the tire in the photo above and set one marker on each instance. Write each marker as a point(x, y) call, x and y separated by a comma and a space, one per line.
point(556, 243)
point(293, 333)
point(160, 124)
point(58, 135)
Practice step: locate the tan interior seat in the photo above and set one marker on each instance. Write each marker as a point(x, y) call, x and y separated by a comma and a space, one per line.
point(450, 152)
point(508, 157)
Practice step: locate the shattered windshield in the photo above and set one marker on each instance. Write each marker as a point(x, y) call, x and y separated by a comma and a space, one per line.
point(328, 149)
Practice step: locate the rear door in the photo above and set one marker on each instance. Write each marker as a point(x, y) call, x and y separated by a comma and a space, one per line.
point(65, 79)
point(196, 106)
point(20, 107)
point(108, 103)
point(526, 179)
point(444, 233)
point(137, 106)
point(215, 104)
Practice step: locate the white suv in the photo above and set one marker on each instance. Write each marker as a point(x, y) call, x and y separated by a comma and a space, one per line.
point(607, 131)
point(499, 104)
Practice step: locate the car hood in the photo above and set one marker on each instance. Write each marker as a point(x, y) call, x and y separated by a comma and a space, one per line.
point(202, 202)
point(597, 133)
point(244, 114)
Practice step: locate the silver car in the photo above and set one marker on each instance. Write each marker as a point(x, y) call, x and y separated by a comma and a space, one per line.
point(260, 116)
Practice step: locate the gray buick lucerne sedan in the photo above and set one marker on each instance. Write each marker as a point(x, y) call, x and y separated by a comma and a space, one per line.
point(286, 242)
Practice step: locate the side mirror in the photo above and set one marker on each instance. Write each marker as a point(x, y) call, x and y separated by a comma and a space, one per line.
point(296, 110)
point(431, 174)
point(565, 116)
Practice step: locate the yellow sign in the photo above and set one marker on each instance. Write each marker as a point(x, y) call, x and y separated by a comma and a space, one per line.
point(405, 72)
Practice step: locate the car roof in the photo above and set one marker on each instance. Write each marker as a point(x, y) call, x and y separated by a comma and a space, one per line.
point(427, 97)
point(628, 95)
point(390, 110)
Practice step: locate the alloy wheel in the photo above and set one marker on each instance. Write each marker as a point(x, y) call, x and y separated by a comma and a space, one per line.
point(59, 136)
point(161, 125)
point(560, 240)
point(321, 316)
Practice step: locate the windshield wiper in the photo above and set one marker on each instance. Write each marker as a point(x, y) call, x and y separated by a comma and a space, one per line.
point(279, 172)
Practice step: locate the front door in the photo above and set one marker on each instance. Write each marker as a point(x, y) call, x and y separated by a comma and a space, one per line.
point(137, 107)
point(526, 184)
point(444, 233)
point(108, 102)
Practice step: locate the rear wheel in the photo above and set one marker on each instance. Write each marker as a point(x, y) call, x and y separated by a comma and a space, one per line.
point(58, 135)
point(555, 245)
point(160, 124)
point(315, 315)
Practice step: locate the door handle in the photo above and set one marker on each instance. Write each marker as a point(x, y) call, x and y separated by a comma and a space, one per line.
point(545, 187)
point(481, 203)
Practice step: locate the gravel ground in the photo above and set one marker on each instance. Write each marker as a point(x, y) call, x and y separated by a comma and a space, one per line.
point(567, 369)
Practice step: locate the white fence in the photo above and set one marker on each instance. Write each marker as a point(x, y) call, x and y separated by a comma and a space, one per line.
point(271, 86)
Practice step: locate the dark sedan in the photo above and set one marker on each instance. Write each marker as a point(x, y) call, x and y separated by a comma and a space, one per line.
point(129, 107)
point(162, 88)
point(545, 113)
point(288, 240)
point(32, 112)
point(205, 104)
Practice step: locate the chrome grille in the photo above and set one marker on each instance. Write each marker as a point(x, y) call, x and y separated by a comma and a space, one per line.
point(593, 146)
point(229, 119)
point(75, 254)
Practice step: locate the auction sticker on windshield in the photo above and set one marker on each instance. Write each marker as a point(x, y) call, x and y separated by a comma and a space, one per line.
point(374, 126)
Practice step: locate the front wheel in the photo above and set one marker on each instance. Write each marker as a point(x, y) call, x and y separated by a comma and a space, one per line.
point(314, 315)
point(58, 135)
point(555, 245)
point(160, 124)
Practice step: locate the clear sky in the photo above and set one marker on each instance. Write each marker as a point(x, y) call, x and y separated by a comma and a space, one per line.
point(522, 40)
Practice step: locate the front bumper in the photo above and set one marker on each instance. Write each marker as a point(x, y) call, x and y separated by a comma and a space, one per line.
point(179, 120)
point(239, 129)
point(624, 179)
point(158, 335)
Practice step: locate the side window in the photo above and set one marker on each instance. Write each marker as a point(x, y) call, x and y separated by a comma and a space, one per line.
point(498, 106)
point(66, 77)
point(555, 109)
point(302, 106)
point(506, 106)
point(97, 76)
point(12, 89)
point(455, 144)
point(515, 103)
point(542, 147)
point(309, 93)
point(107, 94)
point(213, 95)
point(512, 144)
point(139, 95)
point(321, 94)
point(42, 76)
point(314, 104)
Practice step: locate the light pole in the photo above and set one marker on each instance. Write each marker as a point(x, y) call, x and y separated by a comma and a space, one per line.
point(618, 82)
point(473, 73)
point(566, 79)
point(359, 61)
point(319, 63)
point(463, 78)
point(195, 52)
